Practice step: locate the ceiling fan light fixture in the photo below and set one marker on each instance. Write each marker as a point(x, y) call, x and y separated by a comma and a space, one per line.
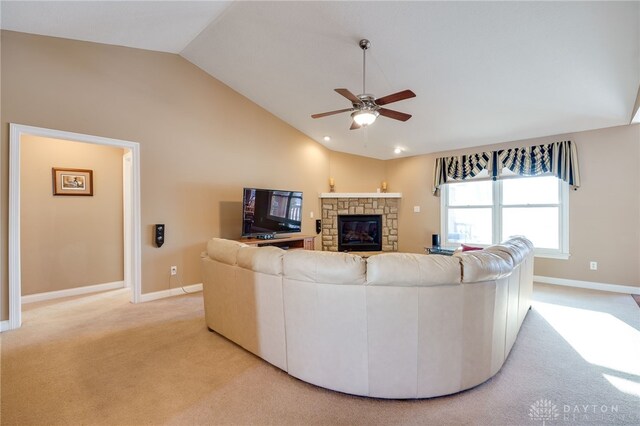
point(365, 118)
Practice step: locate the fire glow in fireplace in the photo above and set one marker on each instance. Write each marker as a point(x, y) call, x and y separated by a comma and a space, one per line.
point(359, 232)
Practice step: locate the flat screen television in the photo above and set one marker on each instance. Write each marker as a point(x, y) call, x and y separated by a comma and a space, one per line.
point(270, 211)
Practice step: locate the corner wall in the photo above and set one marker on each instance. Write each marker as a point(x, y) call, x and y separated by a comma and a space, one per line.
point(353, 173)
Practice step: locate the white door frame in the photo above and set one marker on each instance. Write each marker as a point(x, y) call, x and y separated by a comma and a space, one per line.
point(127, 202)
point(132, 261)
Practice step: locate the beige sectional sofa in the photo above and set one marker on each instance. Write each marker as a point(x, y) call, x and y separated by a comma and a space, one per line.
point(395, 325)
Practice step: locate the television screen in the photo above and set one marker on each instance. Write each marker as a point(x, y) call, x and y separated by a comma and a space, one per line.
point(269, 211)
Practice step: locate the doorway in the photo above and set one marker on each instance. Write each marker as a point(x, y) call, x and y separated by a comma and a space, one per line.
point(131, 211)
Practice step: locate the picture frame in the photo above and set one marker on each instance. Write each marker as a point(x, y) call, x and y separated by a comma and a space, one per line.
point(78, 182)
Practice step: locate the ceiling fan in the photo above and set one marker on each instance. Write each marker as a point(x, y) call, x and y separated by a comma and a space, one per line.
point(365, 107)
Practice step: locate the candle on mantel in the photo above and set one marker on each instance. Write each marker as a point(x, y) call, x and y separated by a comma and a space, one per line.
point(384, 186)
point(332, 184)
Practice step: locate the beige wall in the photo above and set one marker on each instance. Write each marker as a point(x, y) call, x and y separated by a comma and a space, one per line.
point(353, 173)
point(604, 214)
point(413, 176)
point(69, 241)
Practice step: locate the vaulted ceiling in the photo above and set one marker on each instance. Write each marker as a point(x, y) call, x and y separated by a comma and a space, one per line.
point(483, 72)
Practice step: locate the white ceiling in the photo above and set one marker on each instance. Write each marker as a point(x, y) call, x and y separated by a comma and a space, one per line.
point(483, 72)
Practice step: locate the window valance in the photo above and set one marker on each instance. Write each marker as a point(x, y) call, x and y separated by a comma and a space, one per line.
point(557, 158)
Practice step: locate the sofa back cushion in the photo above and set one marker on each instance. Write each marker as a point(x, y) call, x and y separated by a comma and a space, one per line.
point(484, 265)
point(517, 247)
point(408, 269)
point(224, 251)
point(324, 267)
point(267, 260)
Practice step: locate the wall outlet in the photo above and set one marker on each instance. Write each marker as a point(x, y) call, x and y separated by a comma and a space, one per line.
point(174, 270)
point(416, 209)
point(311, 215)
point(593, 266)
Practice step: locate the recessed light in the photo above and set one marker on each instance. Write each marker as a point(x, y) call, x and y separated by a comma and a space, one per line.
point(327, 138)
point(397, 150)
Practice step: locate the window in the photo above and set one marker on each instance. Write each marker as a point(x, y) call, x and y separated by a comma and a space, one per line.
point(469, 213)
point(486, 212)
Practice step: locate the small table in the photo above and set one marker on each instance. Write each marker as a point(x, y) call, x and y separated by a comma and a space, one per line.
point(438, 250)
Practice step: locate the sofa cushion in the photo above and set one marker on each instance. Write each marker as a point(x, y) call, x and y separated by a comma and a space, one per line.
point(504, 253)
point(517, 247)
point(408, 269)
point(484, 265)
point(521, 241)
point(324, 267)
point(267, 260)
point(224, 251)
point(521, 244)
point(507, 250)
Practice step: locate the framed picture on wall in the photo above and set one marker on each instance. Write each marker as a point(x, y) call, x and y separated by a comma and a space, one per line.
point(72, 181)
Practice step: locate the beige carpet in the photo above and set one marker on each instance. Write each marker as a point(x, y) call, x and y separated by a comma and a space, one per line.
point(100, 360)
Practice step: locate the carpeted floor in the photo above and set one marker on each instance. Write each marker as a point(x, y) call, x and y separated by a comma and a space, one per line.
point(100, 360)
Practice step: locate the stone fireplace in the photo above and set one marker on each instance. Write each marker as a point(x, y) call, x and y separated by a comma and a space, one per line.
point(384, 205)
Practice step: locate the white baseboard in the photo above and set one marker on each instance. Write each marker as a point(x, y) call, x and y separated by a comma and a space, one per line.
point(147, 297)
point(31, 298)
point(4, 326)
point(616, 288)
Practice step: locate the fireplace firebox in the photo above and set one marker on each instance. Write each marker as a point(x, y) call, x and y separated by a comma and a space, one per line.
point(359, 232)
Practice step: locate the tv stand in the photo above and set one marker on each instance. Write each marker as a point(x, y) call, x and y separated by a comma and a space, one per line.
point(305, 242)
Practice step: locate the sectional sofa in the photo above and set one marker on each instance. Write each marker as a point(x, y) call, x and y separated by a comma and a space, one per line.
point(394, 325)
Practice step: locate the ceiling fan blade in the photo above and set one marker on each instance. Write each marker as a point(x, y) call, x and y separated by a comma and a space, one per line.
point(324, 114)
point(396, 115)
point(347, 94)
point(354, 126)
point(405, 94)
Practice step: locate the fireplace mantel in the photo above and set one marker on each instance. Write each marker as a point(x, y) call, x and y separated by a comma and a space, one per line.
point(361, 195)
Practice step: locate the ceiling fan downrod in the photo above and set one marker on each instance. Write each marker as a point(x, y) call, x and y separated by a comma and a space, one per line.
point(364, 45)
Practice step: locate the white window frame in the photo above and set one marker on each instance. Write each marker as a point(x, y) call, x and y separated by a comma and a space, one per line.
point(496, 213)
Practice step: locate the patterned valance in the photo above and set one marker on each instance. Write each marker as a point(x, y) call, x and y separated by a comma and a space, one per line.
point(529, 161)
point(462, 167)
point(558, 158)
